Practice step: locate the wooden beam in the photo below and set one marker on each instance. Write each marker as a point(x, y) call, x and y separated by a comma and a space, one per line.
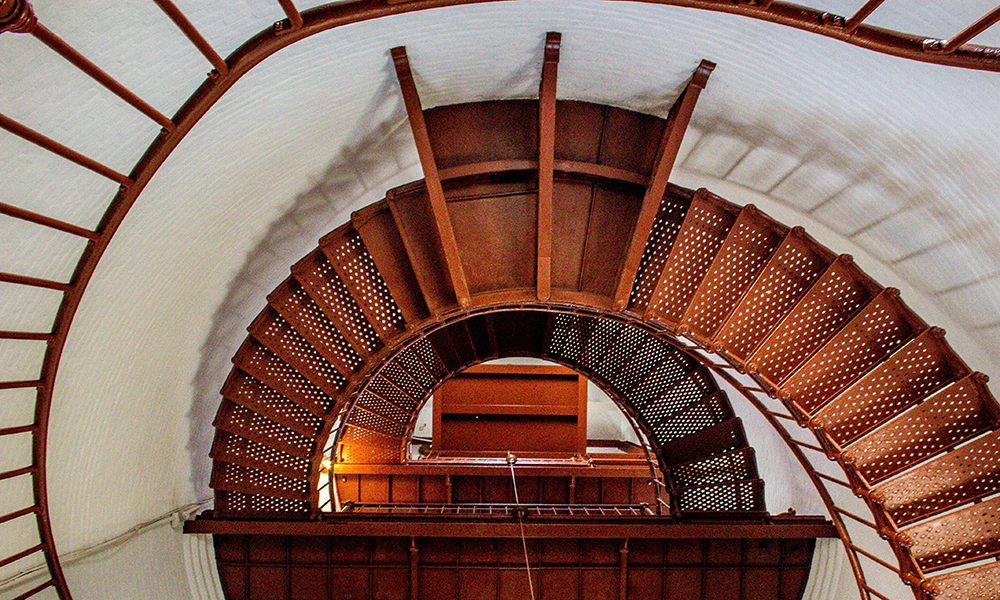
point(623, 570)
point(17, 472)
point(18, 385)
point(16, 557)
point(27, 335)
point(32, 217)
point(546, 161)
point(35, 590)
point(985, 22)
point(387, 525)
point(80, 62)
point(16, 430)
point(414, 572)
point(34, 282)
point(564, 468)
point(673, 135)
point(18, 513)
point(439, 208)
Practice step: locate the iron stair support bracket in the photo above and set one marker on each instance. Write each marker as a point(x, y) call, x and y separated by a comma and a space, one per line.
point(546, 162)
point(432, 179)
point(802, 417)
point(673, 134)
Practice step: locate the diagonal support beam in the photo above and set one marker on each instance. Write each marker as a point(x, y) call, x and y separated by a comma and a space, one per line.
point(546, 161)
point(860, 15)
point(44, 221)
point(439, 207)
point(99, 75)
point(985, 22)
point(56, 148)
point(35, 282)
point(193, 36)
point(673, 135)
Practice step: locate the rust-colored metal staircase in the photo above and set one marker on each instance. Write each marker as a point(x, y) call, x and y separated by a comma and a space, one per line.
point(598, 270)
point(915, 430)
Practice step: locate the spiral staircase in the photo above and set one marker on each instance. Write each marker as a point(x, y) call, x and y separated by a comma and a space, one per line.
point(913, 429)
point(547, 229)
point(370, 324)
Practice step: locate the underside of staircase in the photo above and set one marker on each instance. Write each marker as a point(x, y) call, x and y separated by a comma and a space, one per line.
point(546, 229)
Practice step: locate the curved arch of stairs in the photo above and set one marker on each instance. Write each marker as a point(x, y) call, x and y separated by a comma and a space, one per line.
point(697, 439)
point(699, 442)
point(396, 301)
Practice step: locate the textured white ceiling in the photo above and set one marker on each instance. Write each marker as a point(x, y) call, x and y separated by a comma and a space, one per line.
point(895, 159)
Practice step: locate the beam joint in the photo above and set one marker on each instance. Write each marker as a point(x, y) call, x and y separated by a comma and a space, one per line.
point(36, 589)
point(985, 22)
point(860, 15)
point(17, 472)
point(294, 18)
point(16, 430)
point(56, 148)
point(35, 282)
point(27, 335)
point(18, 513)
point(192, 34)
point(16, 557)
point(31, 217)
point(14, 385)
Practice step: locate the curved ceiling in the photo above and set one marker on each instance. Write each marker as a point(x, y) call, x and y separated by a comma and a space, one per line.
point(894, 156)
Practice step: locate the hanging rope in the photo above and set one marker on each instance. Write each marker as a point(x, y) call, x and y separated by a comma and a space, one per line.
point(511, 459)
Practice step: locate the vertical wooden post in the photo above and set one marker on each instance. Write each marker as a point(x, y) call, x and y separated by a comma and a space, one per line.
point(623, 571)
point(414, 579)
point(546, 161)
point(581, 413)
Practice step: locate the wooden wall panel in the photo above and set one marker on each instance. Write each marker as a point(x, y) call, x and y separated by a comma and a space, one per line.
point(570, 210)
point(463, 134)
point(613, 211)
point(527, 410)
point(364, 568)
point(509, 221)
